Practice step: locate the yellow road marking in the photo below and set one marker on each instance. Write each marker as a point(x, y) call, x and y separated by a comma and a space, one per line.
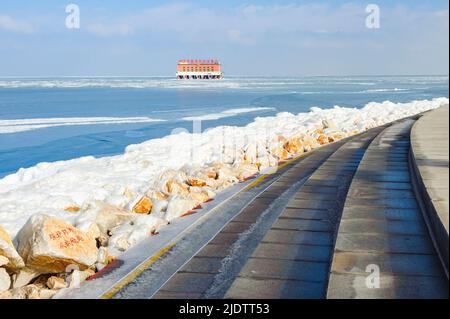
point(255, 182)
point(141, 268)
point(262, 177)
point(135, 273)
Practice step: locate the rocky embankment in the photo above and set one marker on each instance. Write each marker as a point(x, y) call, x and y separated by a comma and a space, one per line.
point(51, 254)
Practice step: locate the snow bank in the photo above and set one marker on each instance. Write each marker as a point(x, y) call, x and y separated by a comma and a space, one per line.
point(63, 189)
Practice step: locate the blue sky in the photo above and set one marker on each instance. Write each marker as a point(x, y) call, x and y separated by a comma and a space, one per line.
point(281, 38)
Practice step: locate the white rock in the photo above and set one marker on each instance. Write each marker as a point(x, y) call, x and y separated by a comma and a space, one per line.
point(141, 204)
point(5, 280)
point(102, 255)
point(23, 277)
point(103, 216)
point(178, 206)
point(77, 277)
point(127, 235)
point(50, 245)
point(8, 250)
point(56, 283)
point(245, 171)
point(29, 292)
point(119, 237)
point(99, 266)
point(267, 161)
point(226, 173)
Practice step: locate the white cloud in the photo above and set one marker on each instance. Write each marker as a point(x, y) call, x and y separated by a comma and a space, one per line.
point(244, 24)
point(105, 30)
point(9, 24)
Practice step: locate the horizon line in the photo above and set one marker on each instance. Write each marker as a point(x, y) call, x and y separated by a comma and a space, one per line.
point(235, 75)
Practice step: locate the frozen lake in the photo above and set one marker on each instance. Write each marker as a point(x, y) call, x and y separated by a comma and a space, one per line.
point(50, 119)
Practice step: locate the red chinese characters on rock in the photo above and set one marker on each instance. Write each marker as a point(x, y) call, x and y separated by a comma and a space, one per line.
point(49, 245)
point(67, 237)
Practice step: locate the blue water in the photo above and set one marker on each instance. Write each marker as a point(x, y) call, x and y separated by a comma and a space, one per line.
point(170, 100)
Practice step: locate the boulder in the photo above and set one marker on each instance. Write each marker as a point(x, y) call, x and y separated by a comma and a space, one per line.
point(205, 190)
point(8, 251)
point(199, 196)
point(294, 146)
point(92, 230)
point(333, 137)
point(118, 242)
point(29, 292)
point(102, 240)
point(103, 256)
point(309, 143)
point(245, 171)
point(72, 209)
point(178, 206)
point(47, 293)
point(50, 245)
point(41, 280)
point(322, 139)
point(127, 235)
point(264, 162)
point(226, 173)
point(56, 283)
point(280, 152)
point(23, 277)
point(5, 280)
point(196, 182)
point(172, 174)
point(99, 266)
point(224, 184)
point(6, 295)
point(213, 183)
point(210, 173)
point(156, 195)
point(250, 153)
point(318, 131)
point(143, 205)
point(99, 218)
point(78, 276)
point(173, 187)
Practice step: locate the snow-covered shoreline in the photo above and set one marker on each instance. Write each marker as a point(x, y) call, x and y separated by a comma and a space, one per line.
point(50, 187)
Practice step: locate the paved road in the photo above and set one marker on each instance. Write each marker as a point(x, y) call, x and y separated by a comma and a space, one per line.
point(293, 259)
point(382, 226)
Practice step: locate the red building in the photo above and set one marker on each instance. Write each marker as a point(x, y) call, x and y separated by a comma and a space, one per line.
point(199, 69)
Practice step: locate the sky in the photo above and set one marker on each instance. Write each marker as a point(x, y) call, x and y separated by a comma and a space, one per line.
point(253, 38)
